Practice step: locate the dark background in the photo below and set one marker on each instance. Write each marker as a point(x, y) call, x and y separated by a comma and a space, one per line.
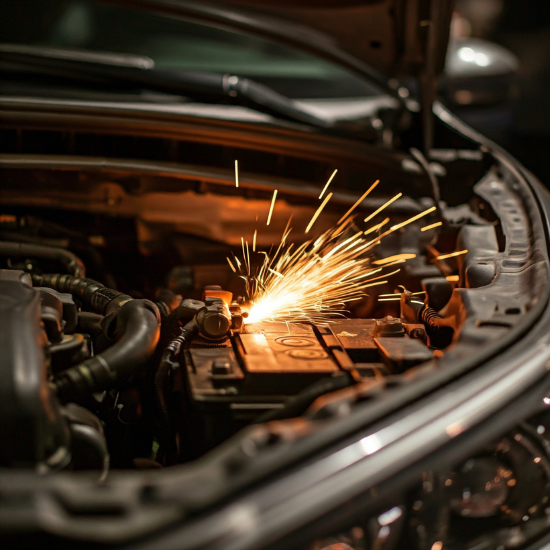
point(522, 26)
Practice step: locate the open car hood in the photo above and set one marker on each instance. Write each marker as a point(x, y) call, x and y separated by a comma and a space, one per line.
point(383, 40)
point(392, 36)
point(397, 38)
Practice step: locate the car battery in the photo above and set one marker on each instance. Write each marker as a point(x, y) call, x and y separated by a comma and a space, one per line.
point(261, 367)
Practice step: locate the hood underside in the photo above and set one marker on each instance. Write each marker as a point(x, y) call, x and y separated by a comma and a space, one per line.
point(397, 38)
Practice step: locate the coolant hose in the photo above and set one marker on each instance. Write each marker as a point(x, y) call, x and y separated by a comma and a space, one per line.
point(136, 325)
point(98, 297)
point(73, 263)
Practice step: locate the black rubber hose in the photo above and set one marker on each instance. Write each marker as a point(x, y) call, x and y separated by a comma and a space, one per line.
point(74, 264)
point(138, 325)
point(98, 297)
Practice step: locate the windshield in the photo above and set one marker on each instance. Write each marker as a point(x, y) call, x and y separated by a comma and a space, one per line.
point(176, 43)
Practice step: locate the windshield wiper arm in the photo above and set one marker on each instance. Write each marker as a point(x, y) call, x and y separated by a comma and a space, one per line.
point(132, 70)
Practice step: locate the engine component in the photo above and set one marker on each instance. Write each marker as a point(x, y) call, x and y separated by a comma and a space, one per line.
point(135, 324)
point(214, 319)
point(438, 290)
point(15, 275)
point(275, 370)
point(72, 262)
point(137, 331)
point(70, 350)
point(59, 314)
point(439, 330)
point(101, 299)
point(52, 316)
point(69, 312)
point(32, 431)
point(168, 363)
point(88, 445)
point(35, 430)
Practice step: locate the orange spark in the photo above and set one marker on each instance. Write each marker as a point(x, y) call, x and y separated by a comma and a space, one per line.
point(231, 265)
point(271, 207)
point(396, 258)
point(432, 226)
point(327, 184)
point(376, 227)
point(313, 281)
point(385, 205)
point(359, 201)
point(413, 219)
point(451, 255)
point(319, 210)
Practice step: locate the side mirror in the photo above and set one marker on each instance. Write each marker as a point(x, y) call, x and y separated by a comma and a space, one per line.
point(478, 72)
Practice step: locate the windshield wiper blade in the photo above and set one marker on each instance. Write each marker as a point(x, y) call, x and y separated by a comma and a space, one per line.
point(139, 71)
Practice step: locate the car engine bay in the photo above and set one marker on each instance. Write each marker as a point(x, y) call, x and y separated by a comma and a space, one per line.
point(167, 368)
point(260, 289)
point(126, 335)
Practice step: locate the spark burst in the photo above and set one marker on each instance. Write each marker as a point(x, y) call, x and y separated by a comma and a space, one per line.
point(315, 280)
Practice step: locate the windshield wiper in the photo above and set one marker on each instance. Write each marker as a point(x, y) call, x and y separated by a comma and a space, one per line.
point(127, 70)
